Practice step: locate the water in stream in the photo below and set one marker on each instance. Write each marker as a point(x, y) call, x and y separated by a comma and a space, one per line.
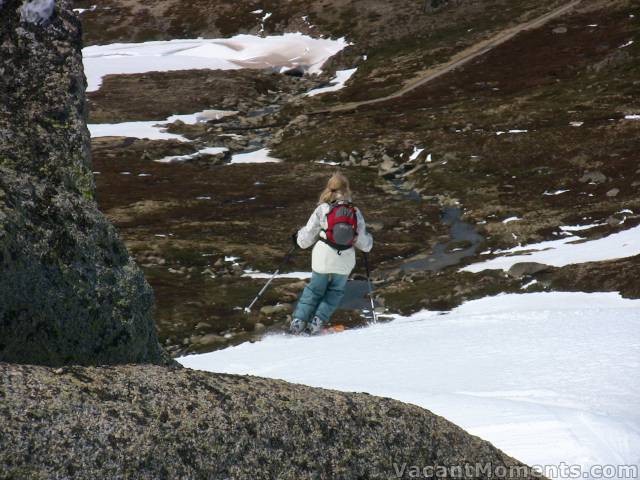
point(463, 242)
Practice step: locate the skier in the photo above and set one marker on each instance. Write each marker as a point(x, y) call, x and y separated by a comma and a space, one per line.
point(335, 228)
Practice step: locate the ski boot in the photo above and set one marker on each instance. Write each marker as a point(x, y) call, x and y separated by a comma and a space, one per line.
point(315, 326)
point(297, 326)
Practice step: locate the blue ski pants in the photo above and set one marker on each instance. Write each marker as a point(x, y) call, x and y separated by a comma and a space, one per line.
point(321, 297)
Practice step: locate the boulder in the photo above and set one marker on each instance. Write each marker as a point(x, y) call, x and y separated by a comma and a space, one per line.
point(593, 177)
point(70, 292)
point(522, 269)
point(276, 309)
point(153, 422)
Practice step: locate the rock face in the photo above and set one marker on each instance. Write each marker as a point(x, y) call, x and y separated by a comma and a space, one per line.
point(154, 422)
point(69, 291)
point(42, 112)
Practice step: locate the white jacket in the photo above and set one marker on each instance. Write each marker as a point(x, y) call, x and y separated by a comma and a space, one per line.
point(325, 259)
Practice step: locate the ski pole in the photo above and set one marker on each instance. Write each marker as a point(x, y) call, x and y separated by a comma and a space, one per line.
point(264, 289)
point(373, 308)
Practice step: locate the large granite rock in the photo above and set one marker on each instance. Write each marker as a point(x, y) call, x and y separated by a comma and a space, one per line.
point(69, 292)
point(149, 422)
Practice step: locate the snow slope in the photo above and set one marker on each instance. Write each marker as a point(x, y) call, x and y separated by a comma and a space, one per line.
point(241, 51)
point(546, 377)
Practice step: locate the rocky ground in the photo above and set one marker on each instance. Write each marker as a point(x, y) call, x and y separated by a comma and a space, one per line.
point(540, 114)
point(154, 422)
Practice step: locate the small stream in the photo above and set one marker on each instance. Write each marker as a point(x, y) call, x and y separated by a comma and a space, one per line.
point(463, 242)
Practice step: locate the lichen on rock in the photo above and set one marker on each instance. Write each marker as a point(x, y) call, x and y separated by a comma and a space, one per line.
point(69, 291)
point(151, 422)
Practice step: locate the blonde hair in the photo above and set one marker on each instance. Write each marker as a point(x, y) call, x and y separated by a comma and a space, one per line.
point(337, 189)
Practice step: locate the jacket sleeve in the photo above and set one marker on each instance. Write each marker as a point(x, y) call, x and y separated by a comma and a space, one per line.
point(309, 234)
point(364, 241)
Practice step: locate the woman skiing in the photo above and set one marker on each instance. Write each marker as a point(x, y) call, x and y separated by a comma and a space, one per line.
point(335, 227)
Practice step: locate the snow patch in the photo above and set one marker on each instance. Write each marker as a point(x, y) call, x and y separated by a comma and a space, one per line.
point(201, 117)
point(155, 129)
point(184, 158)
point(37, 11)
point(545, 377)
point(557, 192)
point(80, 11)
point(261, 275)
point(567, 251)
point(511, 131)
point(241, 51)
point(416, 153)
point(578, 228)
point(258, 156)
point(511, 219)
point(632, 117)
point(342, 76)
point(327, 162)
point(152, 130)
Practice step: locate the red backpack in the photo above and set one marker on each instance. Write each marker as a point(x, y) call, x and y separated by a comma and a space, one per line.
point(342, 226)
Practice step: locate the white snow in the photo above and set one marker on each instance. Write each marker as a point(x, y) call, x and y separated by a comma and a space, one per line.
point(578, 228)
point(298, 275)
point(567, 251)
point(511, 131)
point(326, 162)
point(628, 44)
point(546, 377)
point(201, 117)
point(416, 153)
point(184, 158)
point(342, 76)
point(576, 124)
point(258, 156)
point(557, 192)
point(632, 117)
point(80, 11)
point(511, 219)
point(37, 11)
point(155, 129)
point(152, 130)
point(241, 51)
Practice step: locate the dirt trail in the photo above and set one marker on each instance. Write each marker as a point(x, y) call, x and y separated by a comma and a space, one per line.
point(458, 60)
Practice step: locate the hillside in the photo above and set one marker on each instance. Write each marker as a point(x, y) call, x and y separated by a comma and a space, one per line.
point(534, 137)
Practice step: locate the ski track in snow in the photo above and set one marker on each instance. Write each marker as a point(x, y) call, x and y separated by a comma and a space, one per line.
point(566, 251)
point(241, 51)
point(546, 377)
